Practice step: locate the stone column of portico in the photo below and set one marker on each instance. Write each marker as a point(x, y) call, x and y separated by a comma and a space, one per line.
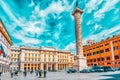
point(41, 66)
point(81, 61)
point(47, 66)
point(50, 66)
point(56, 67)
point(30, 67)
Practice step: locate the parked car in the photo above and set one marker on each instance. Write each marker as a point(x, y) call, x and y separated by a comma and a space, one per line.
point(85, 71)
point(71, 71)
point(110, 69)
point(92, 70)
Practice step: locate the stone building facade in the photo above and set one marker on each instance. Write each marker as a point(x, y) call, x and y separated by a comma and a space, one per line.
point(5, 44)
point(104, 53)
point(44, 58)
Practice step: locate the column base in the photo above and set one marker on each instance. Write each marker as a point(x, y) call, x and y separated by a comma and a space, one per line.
point(82, 63)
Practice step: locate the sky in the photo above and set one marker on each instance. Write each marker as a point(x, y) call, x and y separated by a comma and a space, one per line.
point(49, 23)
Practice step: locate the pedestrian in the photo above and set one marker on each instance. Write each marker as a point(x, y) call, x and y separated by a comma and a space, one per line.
point(11, 72)
point(36, 72)
point(40, 73)
point(31, 71)
point(45, 73)
point(16, 73)
point(25, 73)
point(0, 73)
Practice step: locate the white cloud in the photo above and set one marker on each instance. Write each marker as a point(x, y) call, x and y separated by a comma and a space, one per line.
point(27, 26)
point(33, 29)
point(54, 7)
point(107, 7)
point(92, 5)
point(26, 40)
point(102, 35)
point(71, 47)
point(48, 41)
point(89, 22)
point(97, 27)
point(9, 13)
point(31, 4)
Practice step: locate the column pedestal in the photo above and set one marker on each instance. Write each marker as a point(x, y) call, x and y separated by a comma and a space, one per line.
point(81, 63)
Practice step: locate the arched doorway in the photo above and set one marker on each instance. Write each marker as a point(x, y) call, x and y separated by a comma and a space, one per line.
point(45, 67)
point(53, 67)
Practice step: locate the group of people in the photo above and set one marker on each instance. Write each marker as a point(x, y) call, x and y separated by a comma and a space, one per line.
point(41, 73)
point(13, 73)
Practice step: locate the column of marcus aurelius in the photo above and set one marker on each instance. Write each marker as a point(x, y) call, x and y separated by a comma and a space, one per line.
point(81, 60)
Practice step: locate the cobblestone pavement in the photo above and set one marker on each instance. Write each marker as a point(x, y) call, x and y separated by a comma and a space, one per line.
point(65, 76)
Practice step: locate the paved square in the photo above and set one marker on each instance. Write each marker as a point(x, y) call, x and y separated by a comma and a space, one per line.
point(65, 76)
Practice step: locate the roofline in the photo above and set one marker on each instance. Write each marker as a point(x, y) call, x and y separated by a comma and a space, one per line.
point(102, 41)
point(6, 30)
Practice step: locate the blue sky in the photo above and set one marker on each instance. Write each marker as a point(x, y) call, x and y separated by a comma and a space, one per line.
point(50, 23)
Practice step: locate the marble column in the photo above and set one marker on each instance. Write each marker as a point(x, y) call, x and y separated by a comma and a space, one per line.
point(78, 33)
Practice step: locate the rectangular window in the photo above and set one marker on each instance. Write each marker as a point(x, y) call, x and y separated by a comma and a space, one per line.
point(97, 47)
point(102, 59)
point(94, 53)
point(116, 57)
point(114, 41)
point(108, 63)
point(101, 51)
point(97, 52)
point(44, 55)
point(98, 59)
point(94, 60)
point(106, 44)
point(107, 50)
point(53, 60)
point(108, 58)
point(32, 54)
point(84, 55)
point(101, 45)
point(115, 48)
point(90, 54)
point(90, 60)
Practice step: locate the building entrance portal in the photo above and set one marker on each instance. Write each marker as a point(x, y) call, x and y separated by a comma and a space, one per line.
point(45, 67)
point(53, 67)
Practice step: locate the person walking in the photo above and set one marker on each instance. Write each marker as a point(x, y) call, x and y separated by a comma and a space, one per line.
point(36, 72)
point(40, 73)
point(16, 73)
point(11, 72)
point(0, 73)
point(45, 73)
point(25, 73)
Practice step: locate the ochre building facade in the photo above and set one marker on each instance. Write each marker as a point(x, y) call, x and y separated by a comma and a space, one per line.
point(104, 53)
point(40, 59)
point(5, 44)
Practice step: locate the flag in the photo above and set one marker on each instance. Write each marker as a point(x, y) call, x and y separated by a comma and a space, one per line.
point(0, 52)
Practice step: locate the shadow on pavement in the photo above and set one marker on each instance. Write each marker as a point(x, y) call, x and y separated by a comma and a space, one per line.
point(113, 77)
